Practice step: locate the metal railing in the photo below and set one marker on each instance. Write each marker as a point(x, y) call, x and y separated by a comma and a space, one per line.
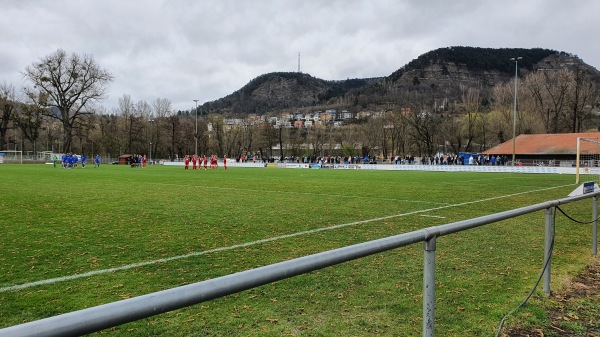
point(105, 316)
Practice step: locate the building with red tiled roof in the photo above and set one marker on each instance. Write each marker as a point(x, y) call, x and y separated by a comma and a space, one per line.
point(560, 146)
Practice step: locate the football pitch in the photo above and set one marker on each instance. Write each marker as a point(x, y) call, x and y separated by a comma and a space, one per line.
point(72, 239)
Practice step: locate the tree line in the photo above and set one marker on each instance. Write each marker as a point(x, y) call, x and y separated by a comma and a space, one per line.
point(61, 112)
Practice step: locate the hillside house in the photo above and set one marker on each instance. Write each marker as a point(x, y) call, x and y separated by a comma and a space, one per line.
point(346, 115)
point(332, 113)
point(363, 114)
point(326, 117)
point(233, 122)
point(287, 116)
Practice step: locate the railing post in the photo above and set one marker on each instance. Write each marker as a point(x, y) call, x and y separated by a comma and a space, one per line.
point(595, 226)
point(548, 243)
point(429, 287)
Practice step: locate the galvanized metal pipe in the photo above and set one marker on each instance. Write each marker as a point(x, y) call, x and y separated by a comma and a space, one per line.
point(429, 287)
point(548, 246)
point(595, 226)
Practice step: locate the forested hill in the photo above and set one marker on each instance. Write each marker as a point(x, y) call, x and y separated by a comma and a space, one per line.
point(444, 74)
point(479, 59)
point(440, 74)
point(283, 90)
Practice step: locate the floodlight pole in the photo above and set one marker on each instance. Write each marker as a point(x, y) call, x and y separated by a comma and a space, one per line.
point(151, 122)
point(196, 134)
point(516, 60)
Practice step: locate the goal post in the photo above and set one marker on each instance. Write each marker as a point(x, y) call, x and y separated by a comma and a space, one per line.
point(13, 155)
point(587, 160)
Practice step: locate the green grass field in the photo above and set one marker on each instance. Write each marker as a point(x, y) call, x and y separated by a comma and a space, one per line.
point(57, 224)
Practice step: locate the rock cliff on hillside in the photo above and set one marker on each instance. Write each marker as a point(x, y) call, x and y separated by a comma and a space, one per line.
point(279, 91)
point(441, 74)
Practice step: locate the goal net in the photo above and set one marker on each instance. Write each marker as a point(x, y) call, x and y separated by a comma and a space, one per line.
point(11, 156)
point(587, 166)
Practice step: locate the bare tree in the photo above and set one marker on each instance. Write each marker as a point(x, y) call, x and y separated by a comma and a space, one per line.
point(501, 116)
point(424, 127)
point(396, 131)
point(470, 101)
point(174, 122)
point(280, 137)
point(535, 84)
point(8, 103)
point(161, 109)
point(105, 136)
point(127, 111)
point(28, 118)
point(316, 139)
point(371, 135)
point(184, 129)
point(233, 139)
point(387, 136)
point(347, 139)
point(248, 141)
point(82, 131)
point(530, 116)
point(140, 127)
point(561, 99)
point(582, 96)
point(68, 83)
point(451, 131)
point(266, 140)
point(298, 141)
point(217, 123)
point(556, 86)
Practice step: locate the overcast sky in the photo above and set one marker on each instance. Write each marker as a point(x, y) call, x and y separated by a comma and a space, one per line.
point(184, 50)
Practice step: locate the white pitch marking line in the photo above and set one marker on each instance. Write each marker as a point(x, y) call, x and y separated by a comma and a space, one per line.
point(433, 216)
point(147, 263)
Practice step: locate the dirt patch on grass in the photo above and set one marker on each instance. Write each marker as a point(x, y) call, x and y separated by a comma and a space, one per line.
point(575, 311)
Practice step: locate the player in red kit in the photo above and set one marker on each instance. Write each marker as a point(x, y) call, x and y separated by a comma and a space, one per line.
point(213, 162)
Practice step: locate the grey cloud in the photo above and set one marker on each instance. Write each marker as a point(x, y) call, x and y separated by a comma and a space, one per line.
point(185, 50)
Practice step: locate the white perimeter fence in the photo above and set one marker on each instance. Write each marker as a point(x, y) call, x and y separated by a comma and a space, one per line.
point(409, 167)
